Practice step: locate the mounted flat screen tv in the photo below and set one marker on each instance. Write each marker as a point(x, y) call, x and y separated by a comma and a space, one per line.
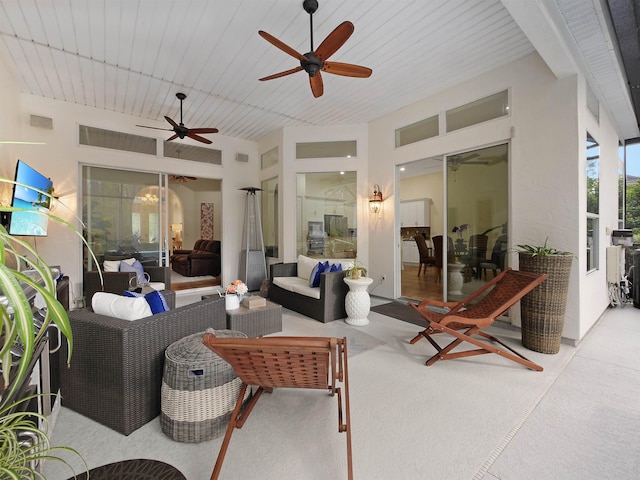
point(29, 222)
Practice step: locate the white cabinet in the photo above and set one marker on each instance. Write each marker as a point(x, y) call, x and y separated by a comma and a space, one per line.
point(410, 252)
point(415, 213)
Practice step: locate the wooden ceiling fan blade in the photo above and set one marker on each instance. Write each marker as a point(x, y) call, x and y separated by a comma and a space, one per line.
point(172, 137)
point(334, 40)
point(281, 74)
point(347, 69)
point(317, 88)
point(198, 137)
point(173, 124)
point(281, 45)
point(203, 130)
point(155, 128)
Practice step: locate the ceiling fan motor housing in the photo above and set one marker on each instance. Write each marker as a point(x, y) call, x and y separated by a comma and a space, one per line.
point(312, 65)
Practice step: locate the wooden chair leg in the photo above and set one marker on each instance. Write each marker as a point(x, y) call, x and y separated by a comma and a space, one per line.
point(236, 421)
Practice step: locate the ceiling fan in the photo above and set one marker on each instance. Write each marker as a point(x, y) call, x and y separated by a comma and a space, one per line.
point(315, 61)
point(180, 130)
point(455, 161)
point(180, 178)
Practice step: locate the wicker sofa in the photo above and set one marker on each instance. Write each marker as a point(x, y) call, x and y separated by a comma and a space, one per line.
point(115, 376)
point(324, 303)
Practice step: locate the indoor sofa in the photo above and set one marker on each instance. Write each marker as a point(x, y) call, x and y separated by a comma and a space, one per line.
point(289, 286)
point(203, 259)
point(115, 377)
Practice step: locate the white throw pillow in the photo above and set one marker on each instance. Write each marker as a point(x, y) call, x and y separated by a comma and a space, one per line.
point(111, 266)
point(117, 306)
point(305, 266)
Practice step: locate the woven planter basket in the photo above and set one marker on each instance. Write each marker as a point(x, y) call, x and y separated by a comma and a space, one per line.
point(542, 309)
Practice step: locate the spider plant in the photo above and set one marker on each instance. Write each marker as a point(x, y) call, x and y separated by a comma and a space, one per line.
point(540, 250)
point(16, 326)
point(356, 271)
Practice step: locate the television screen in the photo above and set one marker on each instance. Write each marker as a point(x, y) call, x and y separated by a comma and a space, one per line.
point(28, 222)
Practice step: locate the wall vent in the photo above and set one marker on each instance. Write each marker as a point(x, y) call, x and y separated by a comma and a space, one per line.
point(242, 157)
point(41, 122)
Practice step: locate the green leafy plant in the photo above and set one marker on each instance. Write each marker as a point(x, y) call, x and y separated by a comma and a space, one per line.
point(541, 250)
point(16, 326)
point(356, 271)
point(16, 461)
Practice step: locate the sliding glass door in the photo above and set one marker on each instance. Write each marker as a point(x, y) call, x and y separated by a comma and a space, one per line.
point(465, 197)
point(124, 213)
point(476, 224)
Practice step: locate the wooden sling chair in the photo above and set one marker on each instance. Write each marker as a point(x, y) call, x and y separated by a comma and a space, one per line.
point(465, 319)
point(287, 362)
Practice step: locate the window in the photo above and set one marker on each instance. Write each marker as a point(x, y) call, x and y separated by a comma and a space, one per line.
point(326, 214)
point(98, 137)
point(488, 108)
point(593, 201)
point(632, 187)
point(348, 148)
point(269, 159)
point(191, 152)
point(269, 207)
point(417, 131)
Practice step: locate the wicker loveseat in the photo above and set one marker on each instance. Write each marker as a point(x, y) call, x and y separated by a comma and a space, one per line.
point(115, 376)
point(203, 259)
point(324, 303)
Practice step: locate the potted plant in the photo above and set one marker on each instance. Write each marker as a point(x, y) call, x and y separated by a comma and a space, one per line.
point(16, 325)
point(355, 271)
point(542, 310)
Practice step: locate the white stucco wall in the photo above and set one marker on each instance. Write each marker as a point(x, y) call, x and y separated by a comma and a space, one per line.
point(61, 156)
point(546, 175)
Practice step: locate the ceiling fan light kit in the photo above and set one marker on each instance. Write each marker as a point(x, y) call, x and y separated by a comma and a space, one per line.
point(315, 61)
point(180, 131)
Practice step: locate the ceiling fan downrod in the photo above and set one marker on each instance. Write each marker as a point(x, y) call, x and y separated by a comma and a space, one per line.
point(310, 6)
point(181, 96)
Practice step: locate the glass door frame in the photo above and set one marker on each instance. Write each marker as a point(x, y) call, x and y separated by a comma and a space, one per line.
point(491, 208)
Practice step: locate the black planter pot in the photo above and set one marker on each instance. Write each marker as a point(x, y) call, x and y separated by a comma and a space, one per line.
point(542, 310)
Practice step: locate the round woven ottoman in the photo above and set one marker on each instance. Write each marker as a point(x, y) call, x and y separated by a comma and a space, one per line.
point(199, 390)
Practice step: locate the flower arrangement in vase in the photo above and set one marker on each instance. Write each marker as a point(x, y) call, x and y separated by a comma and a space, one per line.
point(233, 293)
point(461, 247)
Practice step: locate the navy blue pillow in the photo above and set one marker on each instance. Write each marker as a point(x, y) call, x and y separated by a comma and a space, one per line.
point(155, 299)
point(321, 267)
point(336, 267)
point(314, 274)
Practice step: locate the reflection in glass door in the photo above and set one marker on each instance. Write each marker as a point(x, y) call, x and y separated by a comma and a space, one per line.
point(476, 224)
point(124, 214)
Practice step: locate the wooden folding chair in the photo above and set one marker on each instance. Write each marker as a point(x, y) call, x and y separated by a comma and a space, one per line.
point(466, 318)
point(286, 362)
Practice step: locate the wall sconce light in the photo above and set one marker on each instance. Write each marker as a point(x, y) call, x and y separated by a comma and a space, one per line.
point(375, 203)
point(54, 200)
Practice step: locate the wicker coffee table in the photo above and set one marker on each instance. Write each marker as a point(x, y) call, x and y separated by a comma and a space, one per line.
point(256, 321)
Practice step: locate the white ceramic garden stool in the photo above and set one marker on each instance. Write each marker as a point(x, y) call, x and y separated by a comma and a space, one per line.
point(357, 302)
point(456, 279)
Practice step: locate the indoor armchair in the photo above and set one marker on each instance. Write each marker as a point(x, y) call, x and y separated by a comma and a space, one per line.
point(118, 282)
point(115, 377)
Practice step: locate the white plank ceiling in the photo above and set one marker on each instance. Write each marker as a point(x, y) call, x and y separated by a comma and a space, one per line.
point(132, 56)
